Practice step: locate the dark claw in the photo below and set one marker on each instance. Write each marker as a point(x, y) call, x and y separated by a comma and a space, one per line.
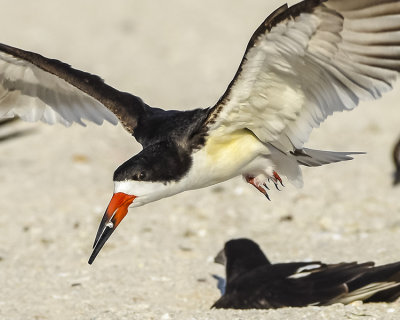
point(276, 186)
point(265, 185)
point(267, 196)
point(278, 178)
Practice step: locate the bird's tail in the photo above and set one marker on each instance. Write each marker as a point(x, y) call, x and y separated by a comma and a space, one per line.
point(316, 158)
point(377, 284)
point(287, 164)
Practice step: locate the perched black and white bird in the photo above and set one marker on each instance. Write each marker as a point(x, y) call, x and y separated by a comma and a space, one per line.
point(396, 160)
point(302, 64)
point(252, 282)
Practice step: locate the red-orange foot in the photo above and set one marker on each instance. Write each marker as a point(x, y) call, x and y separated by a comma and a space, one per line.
point(277, 178)
point(263, 189)
point(260, 182)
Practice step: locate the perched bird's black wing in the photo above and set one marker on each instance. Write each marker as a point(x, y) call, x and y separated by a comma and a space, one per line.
point(260, 285)
point(312, 284)
point(37, 88)
point(306, 62)
point(265, 287)
point(377, 284)
point(296, 285)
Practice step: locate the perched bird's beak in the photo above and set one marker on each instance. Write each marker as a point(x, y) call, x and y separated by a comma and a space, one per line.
point(116, 211)
point(220, 257)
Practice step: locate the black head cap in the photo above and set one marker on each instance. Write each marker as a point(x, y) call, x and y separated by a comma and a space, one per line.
point(162, 162)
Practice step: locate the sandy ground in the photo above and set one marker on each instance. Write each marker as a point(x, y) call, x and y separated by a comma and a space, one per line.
point(56, 182)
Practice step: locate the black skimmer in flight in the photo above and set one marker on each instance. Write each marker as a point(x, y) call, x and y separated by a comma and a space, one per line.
point(302, 64)
point(396, 159)
point(252, 282)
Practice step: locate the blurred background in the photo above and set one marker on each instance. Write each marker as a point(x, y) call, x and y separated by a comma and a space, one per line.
point(56, 182)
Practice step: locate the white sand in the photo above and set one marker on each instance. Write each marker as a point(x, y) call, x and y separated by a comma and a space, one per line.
point(56, 182)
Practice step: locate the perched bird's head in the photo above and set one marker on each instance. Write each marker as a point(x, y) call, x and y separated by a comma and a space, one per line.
point(240, 256)
point(152, 174)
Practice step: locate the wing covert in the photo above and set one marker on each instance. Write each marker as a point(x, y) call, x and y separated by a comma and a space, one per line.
point(308, 61)
point(37, 88)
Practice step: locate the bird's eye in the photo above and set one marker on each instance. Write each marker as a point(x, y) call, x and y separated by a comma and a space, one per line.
point(141, 176)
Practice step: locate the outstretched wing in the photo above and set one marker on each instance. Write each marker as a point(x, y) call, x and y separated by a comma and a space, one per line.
point(308, 61)
point(37, 88)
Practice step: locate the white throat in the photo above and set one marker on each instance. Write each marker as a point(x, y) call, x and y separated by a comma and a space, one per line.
point(146, 191)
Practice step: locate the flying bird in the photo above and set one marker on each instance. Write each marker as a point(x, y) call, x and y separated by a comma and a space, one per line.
point(252, 282)
point(396, 159)
point(302, 64)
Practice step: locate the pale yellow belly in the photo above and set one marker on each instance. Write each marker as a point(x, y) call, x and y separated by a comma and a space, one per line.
point(224, 156)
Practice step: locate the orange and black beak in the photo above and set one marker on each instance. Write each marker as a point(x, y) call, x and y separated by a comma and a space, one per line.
point(116, 211)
